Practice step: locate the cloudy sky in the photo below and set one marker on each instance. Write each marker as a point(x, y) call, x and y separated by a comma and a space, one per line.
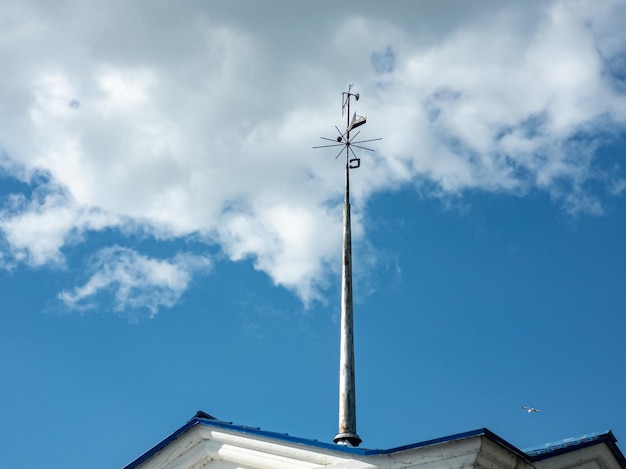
point(166, 224)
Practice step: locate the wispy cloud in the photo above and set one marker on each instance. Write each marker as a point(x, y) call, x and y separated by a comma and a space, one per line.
point(36, 229)
point(134, 281)
point(202, 123)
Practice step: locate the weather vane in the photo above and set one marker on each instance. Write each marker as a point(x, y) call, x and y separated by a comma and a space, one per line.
point(344, 139)
point(347, 394)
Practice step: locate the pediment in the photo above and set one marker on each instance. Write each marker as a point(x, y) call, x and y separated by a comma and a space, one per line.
point(205, 447)
point(207, 443)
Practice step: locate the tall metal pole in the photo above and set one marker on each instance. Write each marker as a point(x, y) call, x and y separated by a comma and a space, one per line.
point(347, 395)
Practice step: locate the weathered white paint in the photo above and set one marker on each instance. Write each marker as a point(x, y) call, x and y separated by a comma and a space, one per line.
point(202, 447)
point(593, 457)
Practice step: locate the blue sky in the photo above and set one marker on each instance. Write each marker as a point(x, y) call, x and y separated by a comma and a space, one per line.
point(170, 241)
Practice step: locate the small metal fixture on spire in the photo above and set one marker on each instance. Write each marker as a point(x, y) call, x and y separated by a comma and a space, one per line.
point(347, 396)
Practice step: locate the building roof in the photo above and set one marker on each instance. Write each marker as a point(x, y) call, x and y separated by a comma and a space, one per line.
point(529, 456)
point(573, 444)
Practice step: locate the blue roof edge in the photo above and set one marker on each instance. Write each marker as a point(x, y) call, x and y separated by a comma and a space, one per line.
point(573, 444)
point(160, 445)
point(350, 449)
point(532, 455)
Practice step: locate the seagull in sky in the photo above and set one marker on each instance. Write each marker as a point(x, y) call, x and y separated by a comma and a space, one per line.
point(530, 409)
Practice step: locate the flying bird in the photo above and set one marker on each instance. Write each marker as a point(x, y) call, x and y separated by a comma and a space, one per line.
point(530, 409)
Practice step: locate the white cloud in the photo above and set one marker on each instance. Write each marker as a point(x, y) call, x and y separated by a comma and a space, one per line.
point(135, 281)
point(280, 237)
point(198, 120)
point(38, 229)
point(508, 109)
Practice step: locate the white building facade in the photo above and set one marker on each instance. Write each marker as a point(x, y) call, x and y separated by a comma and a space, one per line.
point(205, 442)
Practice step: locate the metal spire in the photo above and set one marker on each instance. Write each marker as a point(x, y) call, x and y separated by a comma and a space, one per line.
point(347, 394)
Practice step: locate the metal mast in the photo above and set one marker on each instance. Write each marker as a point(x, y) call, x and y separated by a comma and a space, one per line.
point(347, 390)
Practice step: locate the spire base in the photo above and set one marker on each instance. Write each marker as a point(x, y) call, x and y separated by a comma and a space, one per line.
point(347, 439)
